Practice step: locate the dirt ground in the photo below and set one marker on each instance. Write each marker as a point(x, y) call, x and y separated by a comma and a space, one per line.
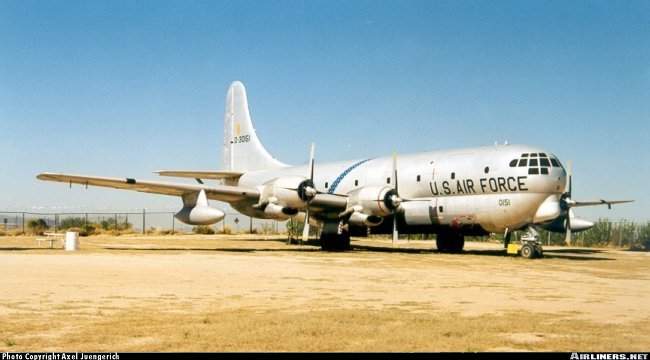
point(55, 300)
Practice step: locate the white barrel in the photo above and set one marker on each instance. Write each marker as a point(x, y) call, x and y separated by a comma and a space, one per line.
point(71, 241)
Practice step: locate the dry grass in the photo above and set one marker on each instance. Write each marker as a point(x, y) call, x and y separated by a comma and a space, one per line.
point(192, 293)
point(147, 329)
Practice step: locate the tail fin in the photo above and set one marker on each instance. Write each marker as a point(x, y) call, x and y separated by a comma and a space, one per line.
point(242, 149)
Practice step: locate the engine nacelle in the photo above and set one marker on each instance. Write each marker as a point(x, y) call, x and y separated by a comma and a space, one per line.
point(200, 215)
point(375, 200)
point(286, 191)
point(360, 219)
point(278, 212)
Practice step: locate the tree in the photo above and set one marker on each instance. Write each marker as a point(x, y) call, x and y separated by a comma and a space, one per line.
point(112, 224)
point(600, 234)
point(76, 222)
point(643, 236)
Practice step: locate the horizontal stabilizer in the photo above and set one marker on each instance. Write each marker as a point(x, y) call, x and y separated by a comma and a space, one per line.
point(598, 202)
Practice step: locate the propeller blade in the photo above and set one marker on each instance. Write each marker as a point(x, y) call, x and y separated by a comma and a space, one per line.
point(568, 176)
point(395, 233)
point(305, 229)
point(311, 161)
point(395, 171)
point(567, 233)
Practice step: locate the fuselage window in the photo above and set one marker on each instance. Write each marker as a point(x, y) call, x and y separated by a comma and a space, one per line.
point(555, 163)
point(453, 175)
point(533, 171)
point(524, 155)
point(523, 162)
point(418, 178)
point(513, 163)
point(487, 169)
point(326, 185)
point(356, 182)
point(533, 162)
point(439, 209)
point(544, 171)
point(533, 155)
point(387, 180)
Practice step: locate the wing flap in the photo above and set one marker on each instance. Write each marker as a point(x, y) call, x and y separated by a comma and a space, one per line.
point(215, 175)
point(218, 192)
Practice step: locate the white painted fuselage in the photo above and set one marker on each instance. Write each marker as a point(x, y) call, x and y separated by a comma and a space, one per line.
point(484, 186)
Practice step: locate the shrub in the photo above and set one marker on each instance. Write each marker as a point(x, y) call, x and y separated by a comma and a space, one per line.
point(203, 230)
point(37, 226)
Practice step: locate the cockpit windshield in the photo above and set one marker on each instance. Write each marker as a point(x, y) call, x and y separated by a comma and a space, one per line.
point(537, 163)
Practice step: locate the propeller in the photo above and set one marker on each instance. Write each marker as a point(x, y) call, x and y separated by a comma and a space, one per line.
point(565, 203)
point(394, 201)
point(308, 192)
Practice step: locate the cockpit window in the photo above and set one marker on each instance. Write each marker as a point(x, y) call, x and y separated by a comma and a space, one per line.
point(537, 163)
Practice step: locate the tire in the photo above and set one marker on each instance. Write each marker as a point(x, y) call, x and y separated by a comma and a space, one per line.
point(539, 253)
point(332, 240)
point(528, 251)
point(451, 242)
point(442, 244)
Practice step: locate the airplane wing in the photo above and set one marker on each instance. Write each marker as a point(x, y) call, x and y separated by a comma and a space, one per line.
point(215, 192)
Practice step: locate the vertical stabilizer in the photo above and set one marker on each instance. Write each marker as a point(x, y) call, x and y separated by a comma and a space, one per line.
point(242, 149)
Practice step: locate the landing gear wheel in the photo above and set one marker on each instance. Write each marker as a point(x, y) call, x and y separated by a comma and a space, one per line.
point(334, 237)
point(539, 253)
point(528, 251)
point(451, 242)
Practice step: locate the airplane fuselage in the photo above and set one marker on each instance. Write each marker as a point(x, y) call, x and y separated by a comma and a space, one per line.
point(494, 187)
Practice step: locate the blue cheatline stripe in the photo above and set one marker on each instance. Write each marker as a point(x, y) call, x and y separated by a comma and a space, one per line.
point(338, 180)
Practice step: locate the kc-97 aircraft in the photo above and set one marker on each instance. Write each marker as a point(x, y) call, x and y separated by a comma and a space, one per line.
point(452, 193)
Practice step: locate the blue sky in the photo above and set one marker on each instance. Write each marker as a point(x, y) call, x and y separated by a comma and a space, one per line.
point(124, 88)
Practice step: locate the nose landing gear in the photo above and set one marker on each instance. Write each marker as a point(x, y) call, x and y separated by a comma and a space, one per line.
point(528, 246)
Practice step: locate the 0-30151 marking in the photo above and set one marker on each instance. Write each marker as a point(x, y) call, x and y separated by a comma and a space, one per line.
point(241, 139)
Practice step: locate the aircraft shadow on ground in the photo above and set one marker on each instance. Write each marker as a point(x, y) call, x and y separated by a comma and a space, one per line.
point(568, 254)
point(26, 249)
point(314, 246)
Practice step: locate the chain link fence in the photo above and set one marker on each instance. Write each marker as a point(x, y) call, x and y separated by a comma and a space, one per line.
point(138, 222)
point(621, 234)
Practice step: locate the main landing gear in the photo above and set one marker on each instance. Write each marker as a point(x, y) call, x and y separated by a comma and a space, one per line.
point(449, 241)
point(528, 246)
point(335, 236)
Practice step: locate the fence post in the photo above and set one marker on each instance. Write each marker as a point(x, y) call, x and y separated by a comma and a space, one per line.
point(23, 223)
point(144, 211)
point(173, 223)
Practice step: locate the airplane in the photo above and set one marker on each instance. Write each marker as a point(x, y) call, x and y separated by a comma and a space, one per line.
point(451, 193)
